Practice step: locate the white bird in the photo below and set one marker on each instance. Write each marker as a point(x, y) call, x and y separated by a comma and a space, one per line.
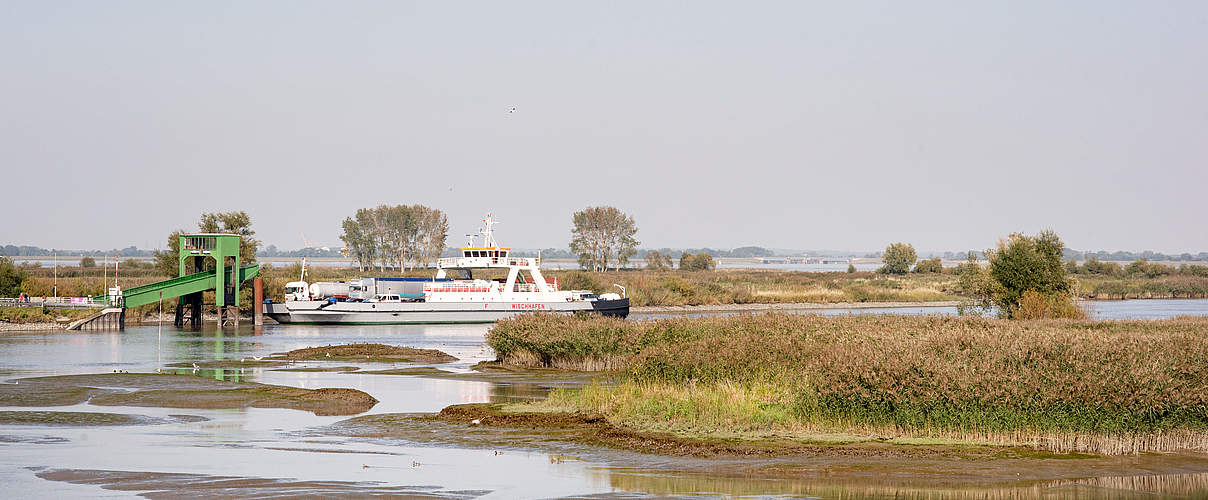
point(476, 421)
point(257, 358)
point(329, 354)
point(242, 360)
point(195, 367)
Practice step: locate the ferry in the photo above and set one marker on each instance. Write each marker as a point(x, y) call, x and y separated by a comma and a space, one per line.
point(453, 295)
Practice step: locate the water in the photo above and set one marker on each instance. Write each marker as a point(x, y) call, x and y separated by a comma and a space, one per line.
point(277, 451)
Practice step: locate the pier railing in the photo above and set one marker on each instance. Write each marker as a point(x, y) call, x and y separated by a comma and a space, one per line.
point(54, 302)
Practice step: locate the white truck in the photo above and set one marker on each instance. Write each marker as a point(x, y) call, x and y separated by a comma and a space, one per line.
point(323, 290)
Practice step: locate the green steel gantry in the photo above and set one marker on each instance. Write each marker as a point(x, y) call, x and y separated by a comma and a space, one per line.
point(198, 248)
point(224, 278)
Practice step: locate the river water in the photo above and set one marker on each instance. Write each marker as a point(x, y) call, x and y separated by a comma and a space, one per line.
point(266, 452)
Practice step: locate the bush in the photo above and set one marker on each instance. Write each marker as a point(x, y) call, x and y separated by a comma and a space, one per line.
point(1094, 266)
point(898, 258)
point(929, 266)
point(87, 262)
point(1020, 265)
point(657, 261)
point(697, 262)
point(579, 280)
point(11, 278)
point(1148, 269)
point(851, 268)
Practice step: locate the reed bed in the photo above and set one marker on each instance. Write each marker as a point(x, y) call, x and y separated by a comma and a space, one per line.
point(1109, 387)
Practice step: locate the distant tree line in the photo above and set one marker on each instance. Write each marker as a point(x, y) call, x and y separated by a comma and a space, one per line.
point(31, 251)
point(1140, 268)
point(273, 251)
point(399, 236)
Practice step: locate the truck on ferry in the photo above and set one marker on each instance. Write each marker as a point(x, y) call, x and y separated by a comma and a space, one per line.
point(452, 295)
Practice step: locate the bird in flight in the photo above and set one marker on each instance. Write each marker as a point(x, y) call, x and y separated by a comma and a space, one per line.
point(511, 110)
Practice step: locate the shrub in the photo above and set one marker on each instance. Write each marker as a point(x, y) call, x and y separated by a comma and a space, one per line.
point(657, 261)
point(898, 258)
point(1019, 265)
point(697, 262)
point(579, 280)
point(11, 278)
point(851, 268)
point(87, 262)
point(929, 266)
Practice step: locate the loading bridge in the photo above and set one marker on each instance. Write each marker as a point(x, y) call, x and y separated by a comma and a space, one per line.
point(221, 251)
point(177, 287)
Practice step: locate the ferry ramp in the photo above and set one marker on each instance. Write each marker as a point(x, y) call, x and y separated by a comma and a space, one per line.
point(177, 287)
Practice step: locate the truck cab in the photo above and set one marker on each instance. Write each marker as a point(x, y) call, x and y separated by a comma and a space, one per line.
point(297, 290)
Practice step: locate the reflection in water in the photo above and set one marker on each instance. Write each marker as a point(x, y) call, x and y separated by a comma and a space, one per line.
point(1106, 488)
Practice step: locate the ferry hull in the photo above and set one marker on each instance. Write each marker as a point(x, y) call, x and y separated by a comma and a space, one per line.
point(367, 313)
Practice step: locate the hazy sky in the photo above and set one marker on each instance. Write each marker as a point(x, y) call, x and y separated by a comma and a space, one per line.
point(794, 125)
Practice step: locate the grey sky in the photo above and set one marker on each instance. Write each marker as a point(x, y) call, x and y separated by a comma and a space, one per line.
point(795, 124)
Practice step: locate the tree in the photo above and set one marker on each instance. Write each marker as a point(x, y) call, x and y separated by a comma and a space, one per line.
point(233, 223)
point(1026, 278)
point(697, 262)
point(851, 268)
point(657, 261)
point(358, 240)
point(87, 262)
point(11, 278)
point(933, 265)
point(601, 236)
point(898, 258)
point(167, 263)
point(401, 235)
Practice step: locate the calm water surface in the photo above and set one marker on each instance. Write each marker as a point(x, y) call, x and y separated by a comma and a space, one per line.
point(282, 445)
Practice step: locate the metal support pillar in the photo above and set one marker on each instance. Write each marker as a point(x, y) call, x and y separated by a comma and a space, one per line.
point(257, 301)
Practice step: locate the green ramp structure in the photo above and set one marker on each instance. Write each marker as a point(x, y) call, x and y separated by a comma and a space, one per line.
point(208, 261)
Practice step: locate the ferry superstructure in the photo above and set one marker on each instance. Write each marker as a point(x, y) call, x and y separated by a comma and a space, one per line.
point(459, 299)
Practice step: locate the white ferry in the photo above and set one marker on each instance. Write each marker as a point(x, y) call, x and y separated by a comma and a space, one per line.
point(445, 299)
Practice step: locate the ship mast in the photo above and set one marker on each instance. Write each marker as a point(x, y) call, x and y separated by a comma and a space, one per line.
point(488, 235)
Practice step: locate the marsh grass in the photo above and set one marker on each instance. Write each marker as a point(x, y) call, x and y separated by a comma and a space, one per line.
point(1108, 387)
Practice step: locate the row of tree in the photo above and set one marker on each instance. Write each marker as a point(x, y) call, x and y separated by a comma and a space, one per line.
point(399, 236)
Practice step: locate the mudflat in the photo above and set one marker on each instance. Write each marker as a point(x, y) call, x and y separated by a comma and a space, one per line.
point(178, 391)
point(374, 353)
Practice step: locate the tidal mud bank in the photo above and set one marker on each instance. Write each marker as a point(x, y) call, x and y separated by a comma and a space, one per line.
point(178, 391)
point(370, 353)
point(156, 485)
point(88, 419)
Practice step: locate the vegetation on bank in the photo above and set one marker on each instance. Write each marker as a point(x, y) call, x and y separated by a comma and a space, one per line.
point(1025, 279)
point(27, 315)
point(651, 287)
point(1065, 385)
